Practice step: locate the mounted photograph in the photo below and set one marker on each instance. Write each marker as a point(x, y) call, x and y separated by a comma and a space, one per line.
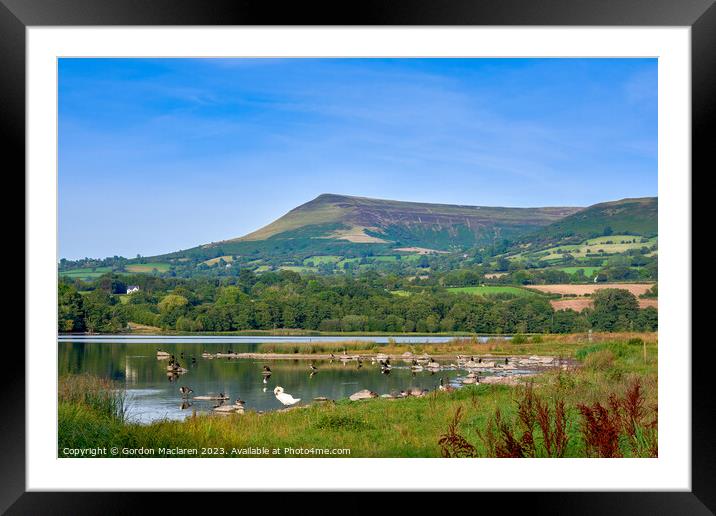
point(357, 257)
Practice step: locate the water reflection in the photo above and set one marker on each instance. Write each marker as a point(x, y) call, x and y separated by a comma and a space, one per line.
point(155, 390)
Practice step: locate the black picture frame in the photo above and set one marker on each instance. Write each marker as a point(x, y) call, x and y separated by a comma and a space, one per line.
point(17, 15)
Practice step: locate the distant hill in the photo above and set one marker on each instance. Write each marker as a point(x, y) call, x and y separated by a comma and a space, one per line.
point(333, 221)
point(339, 233)
point(635, 216)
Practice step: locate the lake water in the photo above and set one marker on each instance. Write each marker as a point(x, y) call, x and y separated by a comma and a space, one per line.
point(154, 394)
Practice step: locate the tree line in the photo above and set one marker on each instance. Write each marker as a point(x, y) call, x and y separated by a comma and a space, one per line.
point(287, 299)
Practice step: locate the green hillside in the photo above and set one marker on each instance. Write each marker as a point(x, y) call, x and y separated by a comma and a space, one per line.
point(349, 226)
point(638, 216)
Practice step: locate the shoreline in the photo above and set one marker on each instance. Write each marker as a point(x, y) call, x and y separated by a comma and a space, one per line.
point(290, 334)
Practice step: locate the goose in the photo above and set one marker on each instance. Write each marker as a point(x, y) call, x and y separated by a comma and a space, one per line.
point(472, 378)
point(424, 358)
point(385, 365)
point(433, 364)
point(445, 388)
point(416, 366)
point(266, 371)
point(285, 398)
point(162, 355)
point(470, 363)
point(313, 368)
point(239, 403)
point(363, 395)
point(185, 391)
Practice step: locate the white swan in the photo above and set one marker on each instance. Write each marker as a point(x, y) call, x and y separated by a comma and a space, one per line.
point(284, 398)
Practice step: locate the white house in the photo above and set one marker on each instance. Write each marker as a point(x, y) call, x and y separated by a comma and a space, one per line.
point(131, 289)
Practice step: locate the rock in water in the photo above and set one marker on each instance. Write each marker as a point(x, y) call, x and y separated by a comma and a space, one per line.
point(363, 395)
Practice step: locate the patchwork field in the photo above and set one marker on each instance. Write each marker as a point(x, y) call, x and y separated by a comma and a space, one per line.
point(580, 290)
point(588, 271)
point(486, 290)
point(87, 273)
point(580, 304)
point(147, 267)
point(420, 250)
point(318, 260)
point(608, 245)
point(227, 258)
point(297, 268)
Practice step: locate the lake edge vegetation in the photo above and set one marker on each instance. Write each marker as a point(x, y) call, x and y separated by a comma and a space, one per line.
point(606, 407)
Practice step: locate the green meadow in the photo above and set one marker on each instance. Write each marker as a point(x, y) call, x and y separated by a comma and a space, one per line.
point(148, 267)
point(588, 271)
point(486, 290)
point(87, 273)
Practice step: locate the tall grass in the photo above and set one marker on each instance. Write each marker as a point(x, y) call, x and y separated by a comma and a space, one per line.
point(102, 396)
point(310, 348)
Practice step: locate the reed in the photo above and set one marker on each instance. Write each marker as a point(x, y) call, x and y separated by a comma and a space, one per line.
point(310, 348)
point(103, 396)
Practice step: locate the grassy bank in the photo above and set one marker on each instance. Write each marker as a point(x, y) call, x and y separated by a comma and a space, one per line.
point(604, 408)
point(559, 345)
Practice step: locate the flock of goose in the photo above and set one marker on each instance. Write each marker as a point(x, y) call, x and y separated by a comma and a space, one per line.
point(417, 364)
point(174, 367)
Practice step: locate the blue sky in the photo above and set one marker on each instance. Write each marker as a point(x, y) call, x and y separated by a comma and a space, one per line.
point(157, 155)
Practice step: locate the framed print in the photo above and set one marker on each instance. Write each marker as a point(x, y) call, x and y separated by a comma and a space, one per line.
point(414, 249)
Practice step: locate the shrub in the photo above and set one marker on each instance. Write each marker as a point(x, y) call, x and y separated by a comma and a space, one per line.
point(599, 360)
point(622, 421)
point(501, 438)
point(518, 339)
point(600, 430)
point(452, 444)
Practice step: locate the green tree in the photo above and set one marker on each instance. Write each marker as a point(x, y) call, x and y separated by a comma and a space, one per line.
point(70, 309)
point(171, 302)
point(614, 310)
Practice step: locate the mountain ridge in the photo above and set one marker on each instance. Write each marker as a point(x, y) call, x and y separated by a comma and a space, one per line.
point(369, 220)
